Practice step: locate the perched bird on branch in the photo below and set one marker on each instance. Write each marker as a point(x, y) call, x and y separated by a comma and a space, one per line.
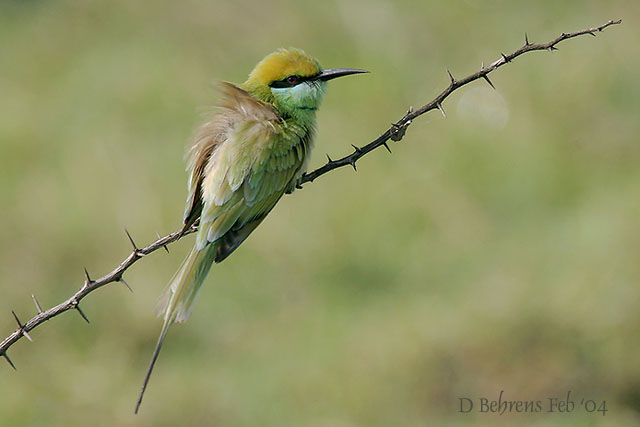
point(243, 160)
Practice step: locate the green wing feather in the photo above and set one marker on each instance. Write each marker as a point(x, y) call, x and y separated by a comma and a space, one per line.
point(248, 173)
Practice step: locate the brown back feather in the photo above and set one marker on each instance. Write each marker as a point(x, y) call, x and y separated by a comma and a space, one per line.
point(236, 104)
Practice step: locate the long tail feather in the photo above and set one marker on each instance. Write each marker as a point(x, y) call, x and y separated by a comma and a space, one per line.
point(156, 352)
point(177, 301)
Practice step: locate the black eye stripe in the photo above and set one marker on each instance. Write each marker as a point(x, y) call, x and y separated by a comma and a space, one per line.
point(290, 81)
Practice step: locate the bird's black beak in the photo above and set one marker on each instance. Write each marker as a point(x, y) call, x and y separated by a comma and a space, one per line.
point(337, 72)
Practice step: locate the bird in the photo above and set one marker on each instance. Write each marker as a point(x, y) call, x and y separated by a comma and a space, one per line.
point(252, 150)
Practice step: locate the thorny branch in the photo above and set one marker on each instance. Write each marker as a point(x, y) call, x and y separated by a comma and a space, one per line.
point(394, 133)
point(398, 129)
point(89, 286)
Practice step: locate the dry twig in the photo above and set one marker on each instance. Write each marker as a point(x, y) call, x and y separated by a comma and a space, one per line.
point(394, 133)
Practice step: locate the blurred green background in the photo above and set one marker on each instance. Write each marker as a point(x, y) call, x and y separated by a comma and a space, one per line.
point(497, 249)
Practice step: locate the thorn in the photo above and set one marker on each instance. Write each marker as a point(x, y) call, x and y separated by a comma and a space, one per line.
point(488, 81)
point(22, 331)
point(15, 316)
point(505, 57)
point(410, 110)
point(356, 148)
point(552, 48)
point(386, 146)
point(353, 164)
point(131, 240)
point(35, 301)
point(526, 40)
point(86, 274)
point(82, 314)
point(329, 159)
point(592, 33)
point(120, 279)
point(453, 81)
point(9, 360)
point(164, 246)
point(563, 35)
point(482, 66)
point(77, 307)
point(441, 110)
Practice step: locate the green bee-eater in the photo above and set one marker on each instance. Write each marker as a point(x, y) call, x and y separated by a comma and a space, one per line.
point(242, 161)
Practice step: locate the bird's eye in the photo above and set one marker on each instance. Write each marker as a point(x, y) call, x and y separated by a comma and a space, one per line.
point(290, 81)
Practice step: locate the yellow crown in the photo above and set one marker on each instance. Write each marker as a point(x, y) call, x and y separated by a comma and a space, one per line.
point(278, 65)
